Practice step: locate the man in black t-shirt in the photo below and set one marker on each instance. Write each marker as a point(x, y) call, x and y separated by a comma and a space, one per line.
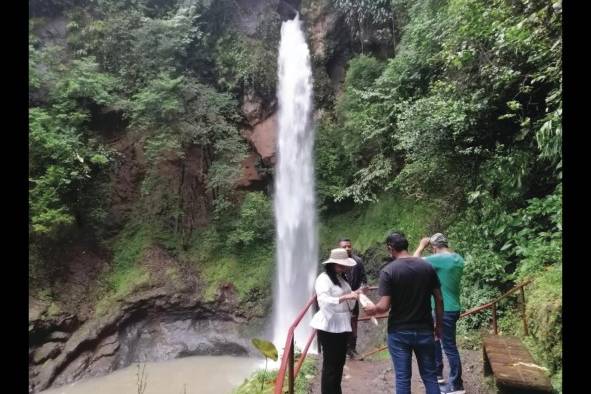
point(405, 287)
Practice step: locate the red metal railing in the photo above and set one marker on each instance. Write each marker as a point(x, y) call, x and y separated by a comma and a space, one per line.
point(288, 352)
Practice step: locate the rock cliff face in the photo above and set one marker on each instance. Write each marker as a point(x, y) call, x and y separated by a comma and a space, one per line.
point(152, 325)
point(263, 137)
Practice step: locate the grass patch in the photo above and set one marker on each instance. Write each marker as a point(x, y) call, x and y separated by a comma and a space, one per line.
point(125, 282)
point(544, 315)
point(248, 269)
point(173, 275)
point(53, 309)
point(254, 267)
point(252, 385)
point(369, 225)
point(126, 274)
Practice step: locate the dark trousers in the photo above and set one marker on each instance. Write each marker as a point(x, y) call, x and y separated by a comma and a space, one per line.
point(334, 354)
point(451, 351)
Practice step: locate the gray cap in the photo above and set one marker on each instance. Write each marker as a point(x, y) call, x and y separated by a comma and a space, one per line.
point(438, 240)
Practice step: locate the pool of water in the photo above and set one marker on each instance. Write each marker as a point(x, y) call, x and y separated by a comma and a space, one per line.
point(189, 375)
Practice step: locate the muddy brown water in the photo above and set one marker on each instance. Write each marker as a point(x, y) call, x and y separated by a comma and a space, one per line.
point(190, 375)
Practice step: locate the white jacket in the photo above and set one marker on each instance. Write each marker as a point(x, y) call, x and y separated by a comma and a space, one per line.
point(333, 316)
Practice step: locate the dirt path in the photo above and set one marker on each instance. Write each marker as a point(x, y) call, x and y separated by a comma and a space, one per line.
point(377, 377)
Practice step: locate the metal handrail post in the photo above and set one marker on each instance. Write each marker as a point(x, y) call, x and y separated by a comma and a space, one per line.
point(291, 366)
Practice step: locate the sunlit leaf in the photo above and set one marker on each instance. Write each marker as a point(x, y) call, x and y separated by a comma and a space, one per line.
point(266, 348)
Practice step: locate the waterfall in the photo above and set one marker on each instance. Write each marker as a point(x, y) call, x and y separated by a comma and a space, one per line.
point(294, 200)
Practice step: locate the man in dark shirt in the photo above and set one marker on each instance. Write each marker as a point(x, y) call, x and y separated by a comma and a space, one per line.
point(406, 286)
point(356, 278)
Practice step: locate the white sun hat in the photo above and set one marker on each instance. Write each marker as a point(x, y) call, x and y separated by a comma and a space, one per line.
point(340, 256)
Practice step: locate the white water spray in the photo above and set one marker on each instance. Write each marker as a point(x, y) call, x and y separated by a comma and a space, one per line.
point(295, 209)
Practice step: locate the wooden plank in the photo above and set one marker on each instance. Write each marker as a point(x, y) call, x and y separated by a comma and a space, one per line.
point(512, 365)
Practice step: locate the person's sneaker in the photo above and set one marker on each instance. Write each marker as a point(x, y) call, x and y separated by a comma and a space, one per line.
point(440, 379)
point(450, 390)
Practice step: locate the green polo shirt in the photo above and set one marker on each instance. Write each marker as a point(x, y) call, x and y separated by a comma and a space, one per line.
point(449, 268)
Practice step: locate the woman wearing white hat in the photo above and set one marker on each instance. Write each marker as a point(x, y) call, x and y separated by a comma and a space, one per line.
point(333, 320)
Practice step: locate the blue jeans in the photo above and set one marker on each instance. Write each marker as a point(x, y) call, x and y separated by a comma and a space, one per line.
point(401, 344)
point(451, 351)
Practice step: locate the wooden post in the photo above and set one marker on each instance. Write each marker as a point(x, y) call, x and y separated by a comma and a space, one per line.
point(524, 316)
point(494, 311)
point(373, 352)
point(291, 366)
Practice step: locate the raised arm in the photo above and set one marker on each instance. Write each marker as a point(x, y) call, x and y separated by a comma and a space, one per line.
point(422, 245)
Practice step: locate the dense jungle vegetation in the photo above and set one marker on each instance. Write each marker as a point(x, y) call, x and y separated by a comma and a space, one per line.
point(454, 127)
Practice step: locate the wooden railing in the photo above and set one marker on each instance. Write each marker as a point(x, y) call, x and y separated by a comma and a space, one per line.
point(493, 305)
point(478, 309)
point(288, 361)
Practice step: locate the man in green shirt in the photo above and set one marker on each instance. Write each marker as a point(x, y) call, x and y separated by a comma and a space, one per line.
point(449, 267)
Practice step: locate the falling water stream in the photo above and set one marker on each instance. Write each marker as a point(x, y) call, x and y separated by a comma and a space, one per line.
point(295, 218)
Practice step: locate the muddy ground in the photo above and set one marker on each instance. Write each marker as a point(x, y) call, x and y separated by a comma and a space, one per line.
point(376, 376)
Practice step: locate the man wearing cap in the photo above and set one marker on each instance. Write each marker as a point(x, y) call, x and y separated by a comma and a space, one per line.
point(333, 319)
point(449, 267)
point(357, 280)
point(407, 284)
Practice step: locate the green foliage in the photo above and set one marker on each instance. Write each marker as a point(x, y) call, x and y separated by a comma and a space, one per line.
point(434, 121)
point(467, 113)
point(254, 223)
point(158, 102)
point(65, 159)
point(266, 348)
point(367, 181)
point(361, 16)
point(544, 311)
point(185, 115)
point(333, 169)
point(368, 226)
point(126, 273)
point(501, 247)
point(154, 63)
point(252, 385)
point(244, 64)
point(255, 266)
point(82, 82)
point(128, 42)
point(338, 149)
point(363, 71)
point(62, 160)
point(35, 76)
point(465, 76)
